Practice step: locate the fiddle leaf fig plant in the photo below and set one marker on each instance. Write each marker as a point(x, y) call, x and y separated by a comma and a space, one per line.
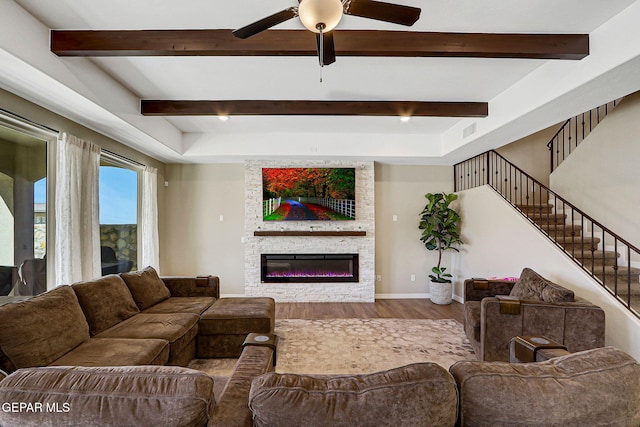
point(440, 226)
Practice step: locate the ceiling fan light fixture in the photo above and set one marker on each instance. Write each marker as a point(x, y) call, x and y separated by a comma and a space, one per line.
point(312, 13)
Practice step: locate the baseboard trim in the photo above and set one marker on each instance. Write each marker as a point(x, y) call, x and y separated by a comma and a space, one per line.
point(377, 296)
point(414, 296)
point(402, 296)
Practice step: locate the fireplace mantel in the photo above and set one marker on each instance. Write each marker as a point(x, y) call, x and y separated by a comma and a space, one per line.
point(295, 233)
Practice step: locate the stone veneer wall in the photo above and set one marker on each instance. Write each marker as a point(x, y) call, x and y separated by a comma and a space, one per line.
point(123, 238)
point(363, 291)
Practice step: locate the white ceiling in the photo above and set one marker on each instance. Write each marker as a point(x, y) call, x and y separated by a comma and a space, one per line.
point(523, 95)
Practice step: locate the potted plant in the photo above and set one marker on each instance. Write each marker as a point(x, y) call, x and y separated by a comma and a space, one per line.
point(440, 227)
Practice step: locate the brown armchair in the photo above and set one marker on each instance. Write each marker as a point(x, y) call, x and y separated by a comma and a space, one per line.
point(498, 310)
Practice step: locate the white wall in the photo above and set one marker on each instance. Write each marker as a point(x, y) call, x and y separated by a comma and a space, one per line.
point(531, 153)
point(501, 242)
point(194, 240)
point(400, 191)
point(606, 163)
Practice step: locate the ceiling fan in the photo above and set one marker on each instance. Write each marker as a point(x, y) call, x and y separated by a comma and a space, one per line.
point(322, 16)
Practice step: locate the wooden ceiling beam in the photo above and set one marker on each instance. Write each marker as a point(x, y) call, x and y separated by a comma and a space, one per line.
point(221, 42)
point(313, 108)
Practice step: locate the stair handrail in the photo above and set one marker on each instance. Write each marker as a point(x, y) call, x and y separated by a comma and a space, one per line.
point(469, 166)
point(553, 138)
point(605, 108)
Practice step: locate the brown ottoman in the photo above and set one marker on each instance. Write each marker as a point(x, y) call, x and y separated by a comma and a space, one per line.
point(225, 325)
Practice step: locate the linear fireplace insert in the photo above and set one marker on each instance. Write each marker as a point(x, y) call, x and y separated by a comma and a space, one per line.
point(297, 268)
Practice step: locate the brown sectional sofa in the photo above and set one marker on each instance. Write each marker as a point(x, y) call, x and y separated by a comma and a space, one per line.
point(599, 387)
point(74, 341)
point(98, 323)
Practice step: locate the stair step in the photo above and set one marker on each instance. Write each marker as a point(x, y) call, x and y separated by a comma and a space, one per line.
point(548, 218)
point(623, 271)
point(623, 274)
point(609, 258)
point(562, 229)
point(578, 246)
point(535, 207)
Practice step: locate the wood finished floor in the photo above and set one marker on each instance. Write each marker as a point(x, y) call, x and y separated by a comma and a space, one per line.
point(387, 308)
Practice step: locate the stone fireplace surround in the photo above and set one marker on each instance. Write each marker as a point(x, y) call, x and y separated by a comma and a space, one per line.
point(364, 245)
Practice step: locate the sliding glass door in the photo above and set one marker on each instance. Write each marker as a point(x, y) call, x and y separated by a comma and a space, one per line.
point(23, 212)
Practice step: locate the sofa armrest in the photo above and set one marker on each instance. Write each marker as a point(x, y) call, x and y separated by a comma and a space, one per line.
point(477, 289)
point(190, 286)
point(577, 325)
point(233, 407)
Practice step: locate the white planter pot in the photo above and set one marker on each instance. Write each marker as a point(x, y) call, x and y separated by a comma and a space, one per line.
point(440, 293)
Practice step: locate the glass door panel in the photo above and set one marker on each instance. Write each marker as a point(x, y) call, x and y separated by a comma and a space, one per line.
point(23, 213)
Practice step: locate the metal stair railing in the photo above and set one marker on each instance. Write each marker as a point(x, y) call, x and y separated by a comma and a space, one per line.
point(574, 131)
point(585, 240)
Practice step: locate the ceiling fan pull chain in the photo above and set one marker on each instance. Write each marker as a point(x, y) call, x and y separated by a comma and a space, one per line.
point(321, 53)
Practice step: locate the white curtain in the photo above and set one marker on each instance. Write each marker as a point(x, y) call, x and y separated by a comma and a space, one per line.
point(148, 236)
point(77, 234)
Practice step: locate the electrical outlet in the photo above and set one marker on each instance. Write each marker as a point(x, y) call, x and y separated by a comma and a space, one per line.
point(378, 278)
point(413, 277)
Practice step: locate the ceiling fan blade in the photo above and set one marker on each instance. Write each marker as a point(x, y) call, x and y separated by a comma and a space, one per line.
point(328, 48)
point(266, 23)
point(388, 12)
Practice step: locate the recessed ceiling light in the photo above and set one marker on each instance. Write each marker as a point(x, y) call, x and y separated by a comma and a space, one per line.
point(405, 119)
point(223, 118)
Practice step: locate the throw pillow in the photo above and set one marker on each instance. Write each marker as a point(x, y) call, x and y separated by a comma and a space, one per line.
point(146, 287)
point(105, 302)
point(532, 286)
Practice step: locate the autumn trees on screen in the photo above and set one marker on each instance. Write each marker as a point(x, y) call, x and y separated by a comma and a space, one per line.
point(334, 183)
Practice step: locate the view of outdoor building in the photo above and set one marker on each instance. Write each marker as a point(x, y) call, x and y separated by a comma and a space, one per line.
point(23, 228)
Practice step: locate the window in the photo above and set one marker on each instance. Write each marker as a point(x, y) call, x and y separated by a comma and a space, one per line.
point(118, 215)
point(23, 207)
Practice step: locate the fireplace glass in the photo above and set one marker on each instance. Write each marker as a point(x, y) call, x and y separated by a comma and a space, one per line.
point(296, 268)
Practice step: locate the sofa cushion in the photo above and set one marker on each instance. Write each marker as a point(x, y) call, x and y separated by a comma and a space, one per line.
point(239, 316)
point(421, 394)
point(105, 302)
point(146, 287)
point(594, 387)
point(196, 305)
point(532, 286)
point(40, 330)
point(116, 352)
point(109, 396)
point(177, 328)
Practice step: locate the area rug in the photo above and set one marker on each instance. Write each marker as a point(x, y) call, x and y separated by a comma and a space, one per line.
point(352, 346)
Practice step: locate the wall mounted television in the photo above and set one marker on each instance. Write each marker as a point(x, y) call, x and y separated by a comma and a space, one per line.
point(299, 194)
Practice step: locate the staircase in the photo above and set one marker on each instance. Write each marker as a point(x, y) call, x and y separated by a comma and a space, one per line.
point(600, 252)
point(608, 266)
